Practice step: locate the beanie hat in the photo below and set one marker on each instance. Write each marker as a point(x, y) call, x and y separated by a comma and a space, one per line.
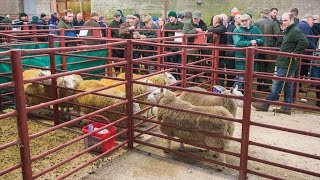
point(172, 14)
point(34, 19)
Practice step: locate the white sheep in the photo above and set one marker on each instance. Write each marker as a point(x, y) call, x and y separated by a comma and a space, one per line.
point(138, 89)
point(72, 82)
point(100, 101)
point(160, 79)
point(197, 99)
point(192, 121)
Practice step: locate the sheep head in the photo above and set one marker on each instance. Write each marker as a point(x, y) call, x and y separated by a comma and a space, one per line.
point(234, 91)
point(170, 79)
point(71, 81)
point(154, 97)
point(42, 73)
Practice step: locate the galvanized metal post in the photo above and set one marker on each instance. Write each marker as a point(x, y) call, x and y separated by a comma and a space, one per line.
point(129, 90)
point(248, 76)
point(54, 90)
point(21, 114)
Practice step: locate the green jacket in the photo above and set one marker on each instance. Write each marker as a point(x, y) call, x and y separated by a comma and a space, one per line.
point(268, 26)
point(294, 41)
point(115, 32)
point(172, 26)
point(64, 25)
point(245, 41)
point(150, 34)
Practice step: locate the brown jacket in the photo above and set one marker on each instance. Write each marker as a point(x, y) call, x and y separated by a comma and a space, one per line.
point(125, 33)
point(92, 23)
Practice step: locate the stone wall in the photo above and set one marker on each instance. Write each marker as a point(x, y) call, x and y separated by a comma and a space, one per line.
point(9, 6)
point(208, 7)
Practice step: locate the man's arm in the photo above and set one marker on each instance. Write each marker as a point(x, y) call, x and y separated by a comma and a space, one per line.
point(301, 42)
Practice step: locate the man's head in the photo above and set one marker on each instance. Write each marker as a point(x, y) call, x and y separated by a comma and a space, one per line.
point(265, 13)
point(23, 17)
point(117, 16)
point(68, 15)
point(94, 16)
point(196, 17)
point(287, 19)
point(79, 17)
point(237, 20)
point(217, 20)
point(102, 19)
point(295, 12)
point(224, 19)
point(309, 19)
point(172, 16)
point(180, 17)
point(147, 21)
point(131, 19)
point(245, 20)
point(274, 13)
point(43, 16)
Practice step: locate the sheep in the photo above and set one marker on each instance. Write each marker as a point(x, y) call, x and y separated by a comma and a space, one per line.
point(99, 101)
point(138, 89)
point(189, 120)
point(71, 82)
point(210, 100)
point(32, 89)
point(160, 79)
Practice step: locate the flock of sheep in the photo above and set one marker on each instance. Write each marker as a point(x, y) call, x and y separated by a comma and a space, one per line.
point(218, 106)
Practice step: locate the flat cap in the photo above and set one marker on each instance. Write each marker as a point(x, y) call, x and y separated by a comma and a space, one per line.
point(146, 19)
point(245, 17)
point(265, 11)
point(197, 14)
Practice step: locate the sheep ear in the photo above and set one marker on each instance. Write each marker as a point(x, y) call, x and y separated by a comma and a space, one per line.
point(232, 89)
point(236, 88)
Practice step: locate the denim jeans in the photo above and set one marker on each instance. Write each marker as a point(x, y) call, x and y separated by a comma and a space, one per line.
point(277, 87)
point(238, 83)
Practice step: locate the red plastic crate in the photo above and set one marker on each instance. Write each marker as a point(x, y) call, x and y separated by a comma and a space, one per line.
point(96, 138)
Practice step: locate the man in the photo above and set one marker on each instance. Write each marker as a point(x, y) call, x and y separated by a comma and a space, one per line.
point(305, 25)
point(128, 31)
point(66, 23)
point(23, 19)
point(194, 25)
point(78, 21)
point(43, 22)
point(295, 13)
point(273, 15)
point(180, 17)
point(116, 24)
point(294, 41)
point(270, 27)
point(246, 27)
point(103, 24)
point(93, 22)
point(149, 32)
point(173, 24)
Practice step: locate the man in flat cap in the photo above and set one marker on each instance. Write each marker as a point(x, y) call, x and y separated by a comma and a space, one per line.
point(194, 25)
point(116, 24)
point(149, 31)
point(240, 40)
point(267, 26)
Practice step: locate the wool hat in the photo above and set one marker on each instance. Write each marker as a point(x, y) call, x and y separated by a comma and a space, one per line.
point(117, 14)
point(244, 17)
point(197, 14)
point(172, 14)
point(181, 15)
point(146, 19)
point(35, 19)
point(265, 11)
point(42, 15)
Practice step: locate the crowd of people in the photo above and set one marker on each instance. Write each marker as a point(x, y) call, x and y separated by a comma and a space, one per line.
point(143, 26)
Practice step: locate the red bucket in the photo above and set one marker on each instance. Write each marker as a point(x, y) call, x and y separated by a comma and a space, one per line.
point(100, 136)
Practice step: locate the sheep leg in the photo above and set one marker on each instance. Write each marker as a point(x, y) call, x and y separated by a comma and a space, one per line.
point(221, 158)
point(181, 148)
point(168, 146)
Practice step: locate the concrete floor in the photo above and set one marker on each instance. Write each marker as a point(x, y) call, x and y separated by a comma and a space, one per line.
point(138, 164)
